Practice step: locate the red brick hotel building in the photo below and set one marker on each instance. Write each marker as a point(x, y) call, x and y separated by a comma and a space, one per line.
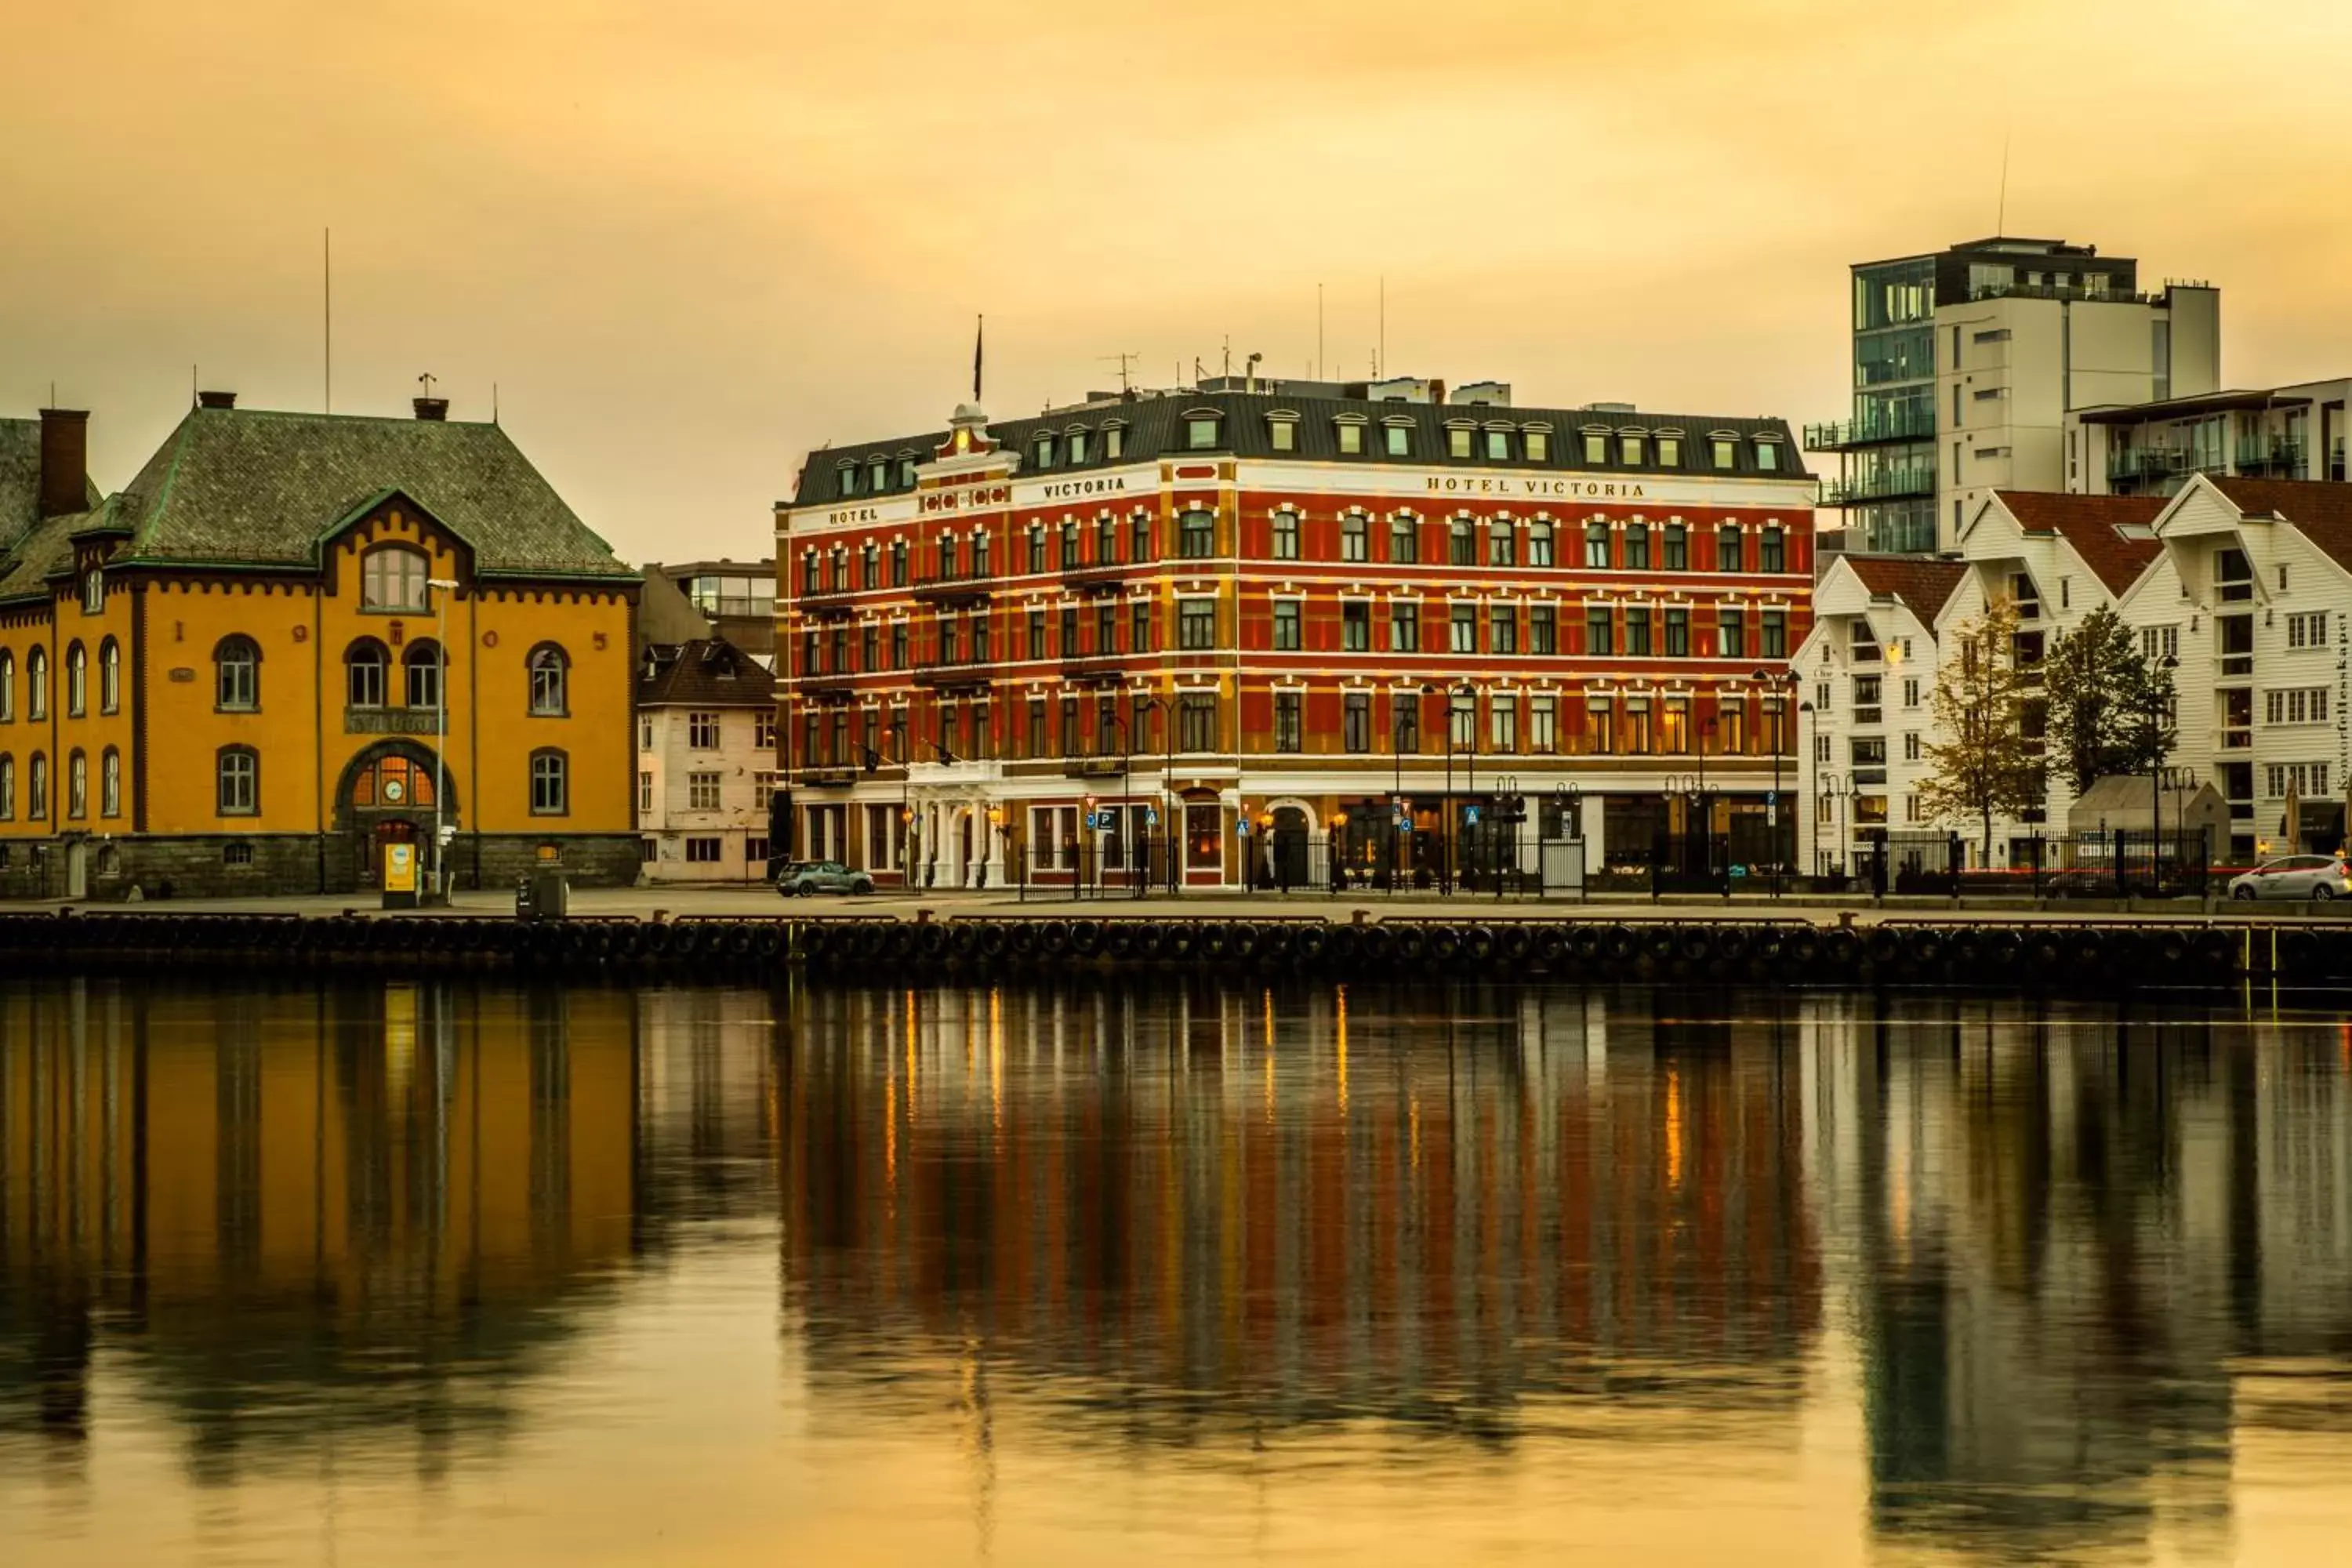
point(1259, 614)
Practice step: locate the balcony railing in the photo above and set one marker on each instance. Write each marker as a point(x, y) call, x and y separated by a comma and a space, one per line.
point(2274, 456)
point(949, 674)
point(2233, 739)
point(1884, 484)
point(963, 587)
point(2134, 464)
point(1910, 422)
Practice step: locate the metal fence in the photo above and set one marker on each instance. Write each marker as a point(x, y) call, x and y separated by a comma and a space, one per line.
point(1290, 861)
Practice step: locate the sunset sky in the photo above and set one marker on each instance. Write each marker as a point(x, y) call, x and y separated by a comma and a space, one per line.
point(692, 240)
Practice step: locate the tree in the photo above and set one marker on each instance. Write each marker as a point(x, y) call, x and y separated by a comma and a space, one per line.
point(1983, 766)
point(2110, 704)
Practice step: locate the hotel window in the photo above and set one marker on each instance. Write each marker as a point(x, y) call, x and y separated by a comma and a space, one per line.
point(702, 792)
point(1462, 628)
point(1543, 724)
point(550, 682)
point(237, 677)
point(1727, 452)
point(1767, 457)
point(1352, 533)
point(1596, 446)
point(1537, 446)
point(1075, 446)
point(76, 680)
point(1196, 536)
point(1285, 536)
point(898, 563)
point(110, 783)
point(392, 578)
point(1288, 727)
point(1503, 723)
point(1540, 543)
point(1637, 546)
point(1726, 548)
point(906, 471)
point(1461, 719)
point(702, 731)
point(1036, 742)
point(1639, 739)
point(1629, 450)
point(1673, 725)
point(1543, 629)
point(1114, 440)
point(1196, 722)
point(869, 566)
point(1065, 543)
point(1458, 442)
point(1775, 635)
point(1772, 551)
point(1282, 434)
point(1677, 644)
point(551, 784)
point(1036, 628)
point(1351, 439)
point(1673, 548)
point(1355, 721)
point(979, 552)
point(1286, 626)
point(1461, 543)
point(1731, 729)
point(869, 646)
point(1356, 627)
point(1196, 624)
point(848, 479)
point(1106, 541)
point(1502, 543)
point(1596, 544)
point(1503, 629)
point(1405, 539)
point(1498, 446)
point(1201, 431)
point(1404, 626)
point(1637, 632)
point(1670, 451)
point(1404, 722)
point(1599, 726)
point(1400, 440)
point(899, 645)
point(1069, 631)
point(1731, 634)
point(1138, 628)
point(1597, 628)
point(237, 782)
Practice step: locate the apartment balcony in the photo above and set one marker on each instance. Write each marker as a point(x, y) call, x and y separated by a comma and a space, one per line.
point(2233, 739)
point(1885, 484)
point(827, 688)
point(956, 674)
point(1911, 422)
point(825, 604)
point(1097, 766)
point(1099, 668)
point(963, 588)
point(1102, 577)
point(2136, 464)
point(828, 775)
point(2281, 458)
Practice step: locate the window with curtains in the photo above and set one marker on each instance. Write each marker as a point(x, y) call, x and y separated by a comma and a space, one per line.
point(1637, 631)
point(1673, 725)
point(1355, 721)
point(1596, 544)
point(1285, 536)
point(1772, 551)
point(1462, 628)
point(1543, 724)
point(1677, 644)
point(1502, 543)
point(1139, 545)
point(1196, 722)
point(36, 788)
point(1597, 640)
point(1404, 722)
point(1035, 627)
point(1461, 543)
point(1289, 728)
point(1503, 723)
point(1352, 533)
point(1637, 546)
point(1355, 625)
point(1503, 628)
point(1673, 548)
point(37, 684)
point(898, 563)
point(392, 577)
point(1036, 547)
point(1196, 535)
point(1729, 556)
point(110, 677)
point(1285, 624)
point(76, 680)
point(1140, 637)
point(1731, 634)
point(1539, 534)
point(1405, 539)
point(1065, 544)
point(7, 787)
point(1462, 721)
point(1404, 626)
point(1775, 635)
point(1196, 624)
point(1543, 628)
point(1106, 541)
point(77, 784)
point(8, 687)
point(550, 680)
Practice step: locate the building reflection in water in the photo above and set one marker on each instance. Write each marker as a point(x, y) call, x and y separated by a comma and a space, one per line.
point(2058, 1272)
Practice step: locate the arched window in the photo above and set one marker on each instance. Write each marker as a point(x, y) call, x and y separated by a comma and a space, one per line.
point(551, 784)
point(363, 673)
point(393, 782)
point(237, 675)
point(1540, 543)
point(423, 664)
point(392, 577)
point(77, 784)
point(110, 677)
point(110, 783)
point(76, 680)
point(238, 773)
point(1726, 548)
point(550, 680)
point(36, 788)
point(37, 684)
point(7, 787)
point(8, 687)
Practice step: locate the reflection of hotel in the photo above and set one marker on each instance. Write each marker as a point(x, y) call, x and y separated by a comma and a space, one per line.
point(1262, 1198)
point(286, 1194)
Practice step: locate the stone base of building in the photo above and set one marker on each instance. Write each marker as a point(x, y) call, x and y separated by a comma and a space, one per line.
point(233, 864)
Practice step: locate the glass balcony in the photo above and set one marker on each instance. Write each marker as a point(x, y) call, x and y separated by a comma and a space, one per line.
point(1882, 484)
point(2134, 464)
point(1910, 422)
point(2274, 456)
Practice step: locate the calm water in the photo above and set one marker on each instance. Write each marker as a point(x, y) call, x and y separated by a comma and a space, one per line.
point(467, 1275)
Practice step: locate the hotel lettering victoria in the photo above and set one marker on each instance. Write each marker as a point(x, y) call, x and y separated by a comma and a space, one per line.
point(1258, 628)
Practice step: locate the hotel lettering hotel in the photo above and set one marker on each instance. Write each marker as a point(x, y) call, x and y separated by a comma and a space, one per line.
point(1231, 622)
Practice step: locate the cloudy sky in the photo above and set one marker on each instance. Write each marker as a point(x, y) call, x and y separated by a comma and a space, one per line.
point(688, 240)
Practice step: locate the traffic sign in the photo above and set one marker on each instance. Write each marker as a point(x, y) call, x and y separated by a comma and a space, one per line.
point(1470, 816)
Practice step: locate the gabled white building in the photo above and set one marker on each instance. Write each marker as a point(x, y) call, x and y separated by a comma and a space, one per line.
point(706, 762)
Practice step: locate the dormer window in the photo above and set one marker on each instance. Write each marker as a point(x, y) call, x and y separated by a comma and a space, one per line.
point(1536, 445)
point(392, 578)
point(1074, 443)
point(906, 471)
point(849, 479)
point(1201, 431)
point(1399, 439)
point(1725, 451)
point(93, 592)
point(1629, 447)
point(1282, 431)
point(1041, 452)
point(1352, 438)
point(1670, 450)
point(1458, 440)
point(1498, 446)
point(1114, 440)
point(878, 475)
point(1596, 446)
point(1767, 456)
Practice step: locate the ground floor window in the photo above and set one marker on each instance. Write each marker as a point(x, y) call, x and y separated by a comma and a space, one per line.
point(703, 851)
point(1205, 836)
point(649, 851)
point(236, 854)
point(755, 850)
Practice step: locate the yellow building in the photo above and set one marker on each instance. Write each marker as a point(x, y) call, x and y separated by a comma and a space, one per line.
point(295, 641)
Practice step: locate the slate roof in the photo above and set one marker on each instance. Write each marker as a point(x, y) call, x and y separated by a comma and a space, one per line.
point(2321, 510)
point(1921, 585)
point(707, 673)
point(1156, 428)
point(256, 488)
point(2093, 525)
point(20, 477)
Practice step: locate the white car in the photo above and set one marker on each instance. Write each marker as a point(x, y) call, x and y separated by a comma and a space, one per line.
point(2295, 877)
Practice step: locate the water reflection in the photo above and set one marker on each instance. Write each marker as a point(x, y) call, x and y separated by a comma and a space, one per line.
point(1828, 1274)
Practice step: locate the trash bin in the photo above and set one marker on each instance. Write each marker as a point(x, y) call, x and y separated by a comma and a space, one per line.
point(525, 907)
point(550, 895)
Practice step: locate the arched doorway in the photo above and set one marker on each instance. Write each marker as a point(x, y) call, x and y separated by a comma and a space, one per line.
point(387, 795)
point(1288, 851)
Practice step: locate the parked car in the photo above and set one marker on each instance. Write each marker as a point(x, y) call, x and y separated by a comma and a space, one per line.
point(2295, 877)
point(2081, 882)
point(806, 878)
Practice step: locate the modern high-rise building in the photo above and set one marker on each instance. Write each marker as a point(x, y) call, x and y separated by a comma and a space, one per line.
point(1966, 362)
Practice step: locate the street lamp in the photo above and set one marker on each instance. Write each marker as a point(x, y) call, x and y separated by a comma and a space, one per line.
point(1400, 816)
point(1840, 789)
point(1452, 832)
point(443, 587)
point(1786, 683)
point(2156, 786)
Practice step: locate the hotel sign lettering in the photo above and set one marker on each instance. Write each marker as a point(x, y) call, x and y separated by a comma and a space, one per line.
point(1540, 486)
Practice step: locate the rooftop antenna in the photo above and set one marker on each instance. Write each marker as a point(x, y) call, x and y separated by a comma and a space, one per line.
point(1227, 369)
point(1380, 356)
point(2000, 213)
point(1318, 331)
point(494, 403)
point(1124, 361)
point(425, 381)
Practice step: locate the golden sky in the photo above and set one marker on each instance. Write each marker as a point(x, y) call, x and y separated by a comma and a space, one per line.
point(690, 239)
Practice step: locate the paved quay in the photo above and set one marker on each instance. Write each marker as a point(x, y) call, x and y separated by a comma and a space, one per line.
point(741, 902)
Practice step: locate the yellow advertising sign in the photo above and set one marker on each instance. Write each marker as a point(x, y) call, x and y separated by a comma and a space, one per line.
point(400, 867)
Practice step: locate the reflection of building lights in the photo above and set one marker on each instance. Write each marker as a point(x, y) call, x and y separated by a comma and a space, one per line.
point(1340, 1034)
point(1673, 1130)
point(399, 1040)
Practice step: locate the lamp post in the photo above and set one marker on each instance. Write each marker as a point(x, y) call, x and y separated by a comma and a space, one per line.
point(2155, 715)
point(443, 587)
point(1470, 784)
point(1786, 683)
point(1839, 789)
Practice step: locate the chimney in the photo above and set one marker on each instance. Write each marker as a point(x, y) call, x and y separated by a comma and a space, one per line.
point(215, 399)
point(434, 408)
point(65, 461)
